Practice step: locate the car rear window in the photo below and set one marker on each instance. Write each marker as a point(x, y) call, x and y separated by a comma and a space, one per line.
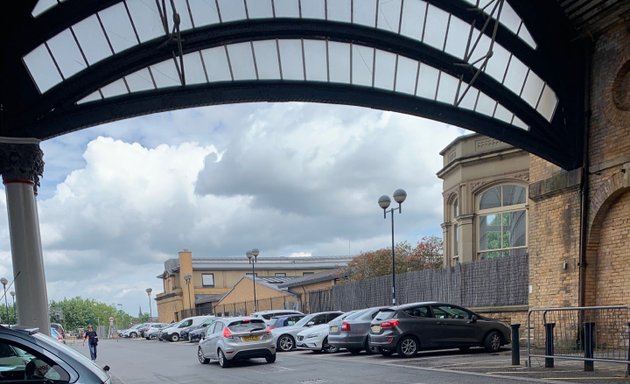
point(247, 325)
point(384, 314)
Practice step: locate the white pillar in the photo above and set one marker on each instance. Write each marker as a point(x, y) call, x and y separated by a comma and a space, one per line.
point(21, 165)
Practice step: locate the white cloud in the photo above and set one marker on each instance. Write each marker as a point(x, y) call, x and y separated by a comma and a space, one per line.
point(289, 179)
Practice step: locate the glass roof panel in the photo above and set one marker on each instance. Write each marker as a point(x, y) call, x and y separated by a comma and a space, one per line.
point(146, 19)
point(519, 123)
point(447, 88)
point(67, 53)
point(547, 104)
point(469, 101)
point(266, 54)
point(362, 65)
point(485, 105)
point(118, 27)
point(185, 22)
point(406, 74)
point(364, 12)
point(116, 88)
point(42, 6)
point(388, 17)
point(204, 12)
point(259, 9)
point(231, 10)
point(291, 59)
point(503, 114)
point(42, 68)
point(313, 9)
point(94, 96)
point(427, 82)
point(315, 60)
point(92, 40)
point(165, 74)
point(435, 30)
point(340, 10)
point(384, 70)
point(216, 64)
point(516, 73)
point(412, 23)
point(480, 49)
point(242, 61)
point(140, 81)
point(286, 8)
point(497, 65)
point(508, 18)
point(532, 89)
point(193, 69)
point(457, 37)
point(524, 34)
point(339, 62)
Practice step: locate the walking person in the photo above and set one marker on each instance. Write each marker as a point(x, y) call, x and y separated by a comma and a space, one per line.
point(92, 338)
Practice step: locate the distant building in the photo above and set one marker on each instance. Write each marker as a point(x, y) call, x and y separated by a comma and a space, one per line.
point(212, 278)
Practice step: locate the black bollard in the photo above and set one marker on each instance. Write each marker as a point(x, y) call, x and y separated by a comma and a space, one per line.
point(628, 367)
point(549, 344)
point(516, 345)
point(588, 346)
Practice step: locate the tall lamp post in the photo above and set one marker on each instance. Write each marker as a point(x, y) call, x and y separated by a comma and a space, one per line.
point(188, 277)
point(4, 282)
point(12, 293)
point(252, 257)
point(149, 290)
point(399, 196)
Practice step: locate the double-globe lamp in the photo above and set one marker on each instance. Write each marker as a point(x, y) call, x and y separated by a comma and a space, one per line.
point(384, 201)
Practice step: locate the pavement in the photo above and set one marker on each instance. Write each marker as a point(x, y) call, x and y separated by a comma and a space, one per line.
point(477, 361)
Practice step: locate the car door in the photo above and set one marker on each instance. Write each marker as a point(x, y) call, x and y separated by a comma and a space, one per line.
point(456, 328)
point(417, 320)
point(209, 344)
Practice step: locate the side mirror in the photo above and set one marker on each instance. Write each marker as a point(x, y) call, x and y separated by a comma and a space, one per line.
point(310, 323)
point(473, 319)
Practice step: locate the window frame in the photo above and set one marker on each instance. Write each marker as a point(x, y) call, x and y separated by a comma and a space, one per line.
point(203, 280)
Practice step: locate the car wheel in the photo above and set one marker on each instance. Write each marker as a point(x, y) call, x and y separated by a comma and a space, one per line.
point(329, 348)
point(407, 347)
point(385, 352)
point(492, 342)
point(286, 343)
point(201, 358)
point(223, 362)
point(271, 359)
point(133, 335)
point(174, 337)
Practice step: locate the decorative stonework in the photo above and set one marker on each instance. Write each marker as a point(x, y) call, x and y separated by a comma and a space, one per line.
point(476, 186)
point(485, 143)
point(21, 162)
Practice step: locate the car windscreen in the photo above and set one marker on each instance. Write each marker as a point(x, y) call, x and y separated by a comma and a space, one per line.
point(304, 320)
point(239, 326)
point(384, 314)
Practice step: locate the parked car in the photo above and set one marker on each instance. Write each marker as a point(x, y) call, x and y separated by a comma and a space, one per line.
point(267, 315)
point(352, 333)
point(406, 329)
point(185, 332)
point(55, 335)
point(315, 338)
point(236, 338)
point(198, 334)
point(284, 320)
point(284, 337)
point(59, 328)
point(153, 332)
point(172, 333)
point(144, 327)
point(29, 355)
point(133, 331)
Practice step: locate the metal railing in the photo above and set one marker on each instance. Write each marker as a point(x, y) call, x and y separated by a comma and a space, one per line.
point(589, 334)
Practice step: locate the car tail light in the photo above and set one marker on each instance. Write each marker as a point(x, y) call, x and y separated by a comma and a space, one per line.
point(390, 323)
point(227, 333)
point(345, 326)
point(268, 329)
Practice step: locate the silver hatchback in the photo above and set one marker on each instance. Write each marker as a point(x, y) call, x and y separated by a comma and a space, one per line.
point(236, 338)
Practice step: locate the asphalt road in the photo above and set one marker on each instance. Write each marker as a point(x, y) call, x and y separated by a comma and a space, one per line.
point(141, 361)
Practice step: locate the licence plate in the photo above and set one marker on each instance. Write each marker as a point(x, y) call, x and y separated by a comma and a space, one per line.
point(376, 328)
point(250, 338)
point(334, 329)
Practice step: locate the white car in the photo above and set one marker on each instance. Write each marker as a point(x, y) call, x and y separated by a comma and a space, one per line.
point(315, 338)
point(284, 337)
point(133, 331)
point(173, 332)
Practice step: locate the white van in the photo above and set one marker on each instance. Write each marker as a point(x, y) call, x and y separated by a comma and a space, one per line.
point(172, 333)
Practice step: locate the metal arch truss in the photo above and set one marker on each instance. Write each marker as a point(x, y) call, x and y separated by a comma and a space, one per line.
point(557, 59)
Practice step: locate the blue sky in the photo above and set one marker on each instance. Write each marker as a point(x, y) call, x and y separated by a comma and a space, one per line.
point(119, 199)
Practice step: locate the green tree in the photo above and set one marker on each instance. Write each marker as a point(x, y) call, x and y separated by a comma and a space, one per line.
point(78, 313)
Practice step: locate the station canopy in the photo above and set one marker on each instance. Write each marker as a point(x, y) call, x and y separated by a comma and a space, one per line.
point(512, 70)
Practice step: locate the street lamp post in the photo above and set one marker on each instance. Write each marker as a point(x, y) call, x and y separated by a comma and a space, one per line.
point(252, 257)
point(188, 277)
point(149, 290)
point(12, 293)
point(399, 196)
point(4, 282)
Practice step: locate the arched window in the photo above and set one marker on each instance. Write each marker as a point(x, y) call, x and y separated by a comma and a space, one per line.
point(502, 224)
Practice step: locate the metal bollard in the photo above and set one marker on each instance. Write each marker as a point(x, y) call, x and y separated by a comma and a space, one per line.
point(628, 367)
point(588, 346)
point(516, 345)
point(549, 344)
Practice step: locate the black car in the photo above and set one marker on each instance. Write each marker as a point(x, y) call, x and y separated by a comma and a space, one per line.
point(196, 332)
point(29, 355)
point(406, 329)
